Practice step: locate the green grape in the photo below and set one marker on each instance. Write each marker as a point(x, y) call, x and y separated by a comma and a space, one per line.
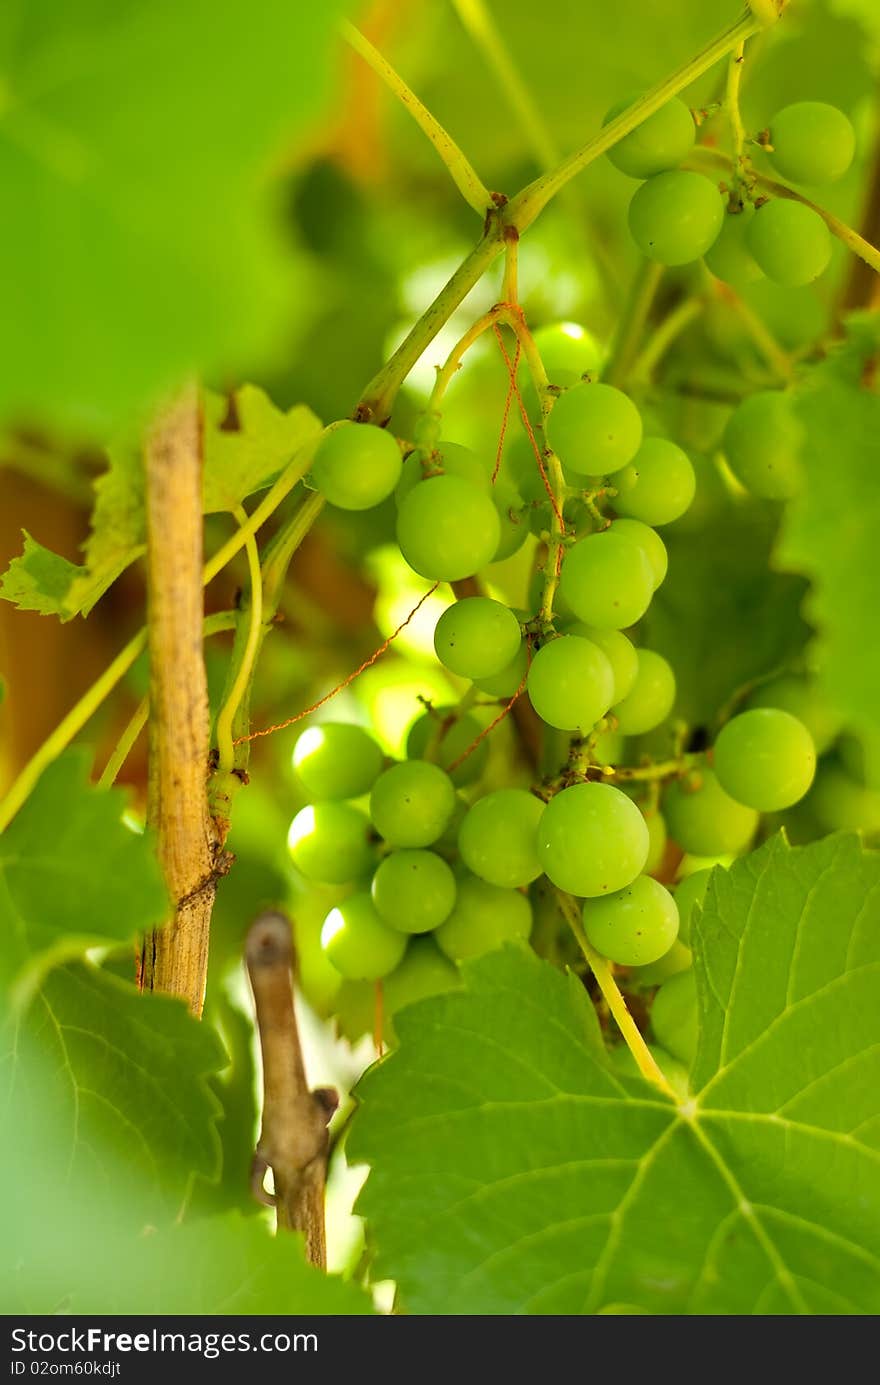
point(765, 758)
point(498, 838)
point(477, 637)
point(485, 917)
point(511, 517)
point(522, 467)
point(762, 443)
point(412, 803)
point(704, 820)
point(676, 1075)
point(633, 926)
point(356, 465)
point(811, 142)
point(447, 529)
point(511, 677)
point(594, 429)
point(677, 959)
point(424, 972)
point(330, 842)
point(414, 890)
point(651, 698)
point(618, 650)
point(802, 697)
point(454, 460)
point(676, 217)
point(660, 142)
point(790, 242)
point(657, 837)
point(730, 258)
point(607, 581)
point(431, 736)
point(567, 348)
point(658, 485)
point(592, 840)
point(336, 760)
point(674, 1016)
point(357, 942)
point(690, 892)
point(570, 683)
point(648, 540)
point(840, 803)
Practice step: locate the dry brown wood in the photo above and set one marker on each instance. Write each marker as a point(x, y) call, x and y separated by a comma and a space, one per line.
point(293, 1138)
point(175, 957)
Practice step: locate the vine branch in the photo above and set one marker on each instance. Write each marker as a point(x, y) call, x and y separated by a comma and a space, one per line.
point(175, 958)
point(293, 1137)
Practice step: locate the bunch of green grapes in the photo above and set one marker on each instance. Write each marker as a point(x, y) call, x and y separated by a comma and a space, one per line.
point(678, 215)
point(439, 866)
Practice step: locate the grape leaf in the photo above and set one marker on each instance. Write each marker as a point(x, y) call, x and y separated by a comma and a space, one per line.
point(513, 1171)
point(72, 876)
point(124, 1075)
point(830, 532)
point(721, 618)
point(40, 580)
point(142, 237)
point(246, 457)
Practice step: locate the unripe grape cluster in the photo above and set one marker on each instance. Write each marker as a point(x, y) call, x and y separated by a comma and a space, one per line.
point(678, 215)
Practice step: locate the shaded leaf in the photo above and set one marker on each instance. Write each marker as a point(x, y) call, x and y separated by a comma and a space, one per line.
point(830, 532)
point(721, 618)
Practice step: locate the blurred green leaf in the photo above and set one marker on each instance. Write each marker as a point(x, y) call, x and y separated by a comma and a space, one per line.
point(142, 233)
point(72, 876)
point(512, 1171)
point(246, 452)
point(224, 1264)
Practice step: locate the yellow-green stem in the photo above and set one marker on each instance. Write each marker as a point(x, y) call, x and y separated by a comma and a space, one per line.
point(704, 158)
point(663, 336)
point(460, 169)
point(601, 969)
point(528, 204)
point(69, 727)
point(226, 715)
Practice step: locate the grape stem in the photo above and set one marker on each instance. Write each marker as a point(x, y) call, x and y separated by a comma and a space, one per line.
point(226, 715)
point(632, 322)
point(523, 209)
point(601, 969)
point(664, 335)
point(778, 360)
point(731, 102)
point(460, 168)
point(661, 769)
point(703, 158)
point(220, 620)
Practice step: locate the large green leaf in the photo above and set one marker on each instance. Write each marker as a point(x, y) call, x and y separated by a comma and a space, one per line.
point(721, 618)
point(141, 231)
point(124, 1076)
point(246, 451)
point(830, 532)
point(513, 1171)
point(72, 876)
